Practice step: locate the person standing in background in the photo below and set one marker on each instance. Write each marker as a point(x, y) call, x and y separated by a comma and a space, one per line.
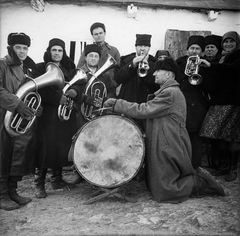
point(223, 118)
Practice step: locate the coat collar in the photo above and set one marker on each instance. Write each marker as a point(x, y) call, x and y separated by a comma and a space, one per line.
point(167, 84)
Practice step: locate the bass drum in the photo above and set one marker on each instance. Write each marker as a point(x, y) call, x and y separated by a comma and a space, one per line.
point(109, 150)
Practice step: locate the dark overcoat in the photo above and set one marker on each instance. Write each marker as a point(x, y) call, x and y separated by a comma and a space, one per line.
point(135, 88)
point(168, 161)
point(16, 154)
point(55, 136)
point(196, 97)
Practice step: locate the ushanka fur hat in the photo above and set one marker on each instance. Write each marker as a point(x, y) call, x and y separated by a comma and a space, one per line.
point(18, 38)
point(56, 42)
point(196, 39)
point(167, 64)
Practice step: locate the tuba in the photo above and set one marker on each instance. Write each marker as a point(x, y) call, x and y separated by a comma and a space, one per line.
point(28, 93)
point(97, 90)
point(142, 71)
point(64, 111)
point(191, 70)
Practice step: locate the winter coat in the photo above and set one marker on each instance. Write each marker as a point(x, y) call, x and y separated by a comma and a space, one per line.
point(135, 88)
point(55, 136)
point(196, 98)
point(223, 80)
point(16, 154)
point(105, 78)
point(168, 161)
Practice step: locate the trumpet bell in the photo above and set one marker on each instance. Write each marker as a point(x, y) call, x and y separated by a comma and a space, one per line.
point(195, 79)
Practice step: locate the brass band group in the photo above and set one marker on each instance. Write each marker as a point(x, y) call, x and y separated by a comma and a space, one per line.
point(178, 105)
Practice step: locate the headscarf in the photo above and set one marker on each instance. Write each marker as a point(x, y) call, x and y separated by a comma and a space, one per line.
point(234, 36)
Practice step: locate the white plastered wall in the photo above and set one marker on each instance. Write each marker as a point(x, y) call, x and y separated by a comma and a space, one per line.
point(72, 22)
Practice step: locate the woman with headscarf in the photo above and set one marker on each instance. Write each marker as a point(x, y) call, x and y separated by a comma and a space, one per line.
point(223, 118)
point(55, 136)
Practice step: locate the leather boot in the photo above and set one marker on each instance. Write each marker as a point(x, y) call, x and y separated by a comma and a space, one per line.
point(57, 182)
point(77, 178)
point(40, 175)
point(233, 162)
point(13, 195)
point(205, 184)
point(5, 202)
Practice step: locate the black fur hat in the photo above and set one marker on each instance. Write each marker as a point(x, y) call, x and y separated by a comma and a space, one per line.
point(213, 39)
point(196, 39)
point(92, 48)
point(168, 64)
point(56, 41)
point(18, 38)
point(143, 39)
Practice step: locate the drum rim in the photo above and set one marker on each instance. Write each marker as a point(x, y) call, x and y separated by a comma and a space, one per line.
point(142, 136)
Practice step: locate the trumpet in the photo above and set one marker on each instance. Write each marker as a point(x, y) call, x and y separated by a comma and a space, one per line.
point(142, 71)
point(64, 111)
point(191, 70)
point(97, 90)
point(15, 125)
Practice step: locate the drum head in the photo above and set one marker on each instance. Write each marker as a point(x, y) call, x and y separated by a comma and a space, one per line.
point(109, 151)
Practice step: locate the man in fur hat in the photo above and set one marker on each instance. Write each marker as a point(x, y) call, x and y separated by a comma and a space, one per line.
point(16, 153)
point(196, 98)
point(55, 136)
point(170, 175)
point(135, 87)
point(212, 51)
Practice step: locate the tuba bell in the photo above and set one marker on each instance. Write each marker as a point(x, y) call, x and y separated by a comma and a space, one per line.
point(97, 90)
point(64, 111)
point(28, 93)
point(191, 70)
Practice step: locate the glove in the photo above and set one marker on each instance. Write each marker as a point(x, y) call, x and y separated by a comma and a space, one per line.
point(63, 100)
point(39, 111)
point(72, 93)
point(24, 111)
point(88, 100)
point(110, 103)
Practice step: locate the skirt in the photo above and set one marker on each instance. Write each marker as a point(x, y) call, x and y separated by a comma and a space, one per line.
point(222, 122)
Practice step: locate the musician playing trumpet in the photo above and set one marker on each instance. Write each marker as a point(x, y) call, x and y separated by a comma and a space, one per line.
point(196, 97)
point(15, 152)
point(135, 75)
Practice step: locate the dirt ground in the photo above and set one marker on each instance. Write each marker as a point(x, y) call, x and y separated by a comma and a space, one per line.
point(65, 212)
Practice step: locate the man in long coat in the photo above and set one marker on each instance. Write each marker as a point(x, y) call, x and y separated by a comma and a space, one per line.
point(15, 152)
point(170, 175)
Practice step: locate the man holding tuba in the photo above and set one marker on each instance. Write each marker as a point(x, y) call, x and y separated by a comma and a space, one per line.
point(55, 136)
point(15, 152)
point(101, 88)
